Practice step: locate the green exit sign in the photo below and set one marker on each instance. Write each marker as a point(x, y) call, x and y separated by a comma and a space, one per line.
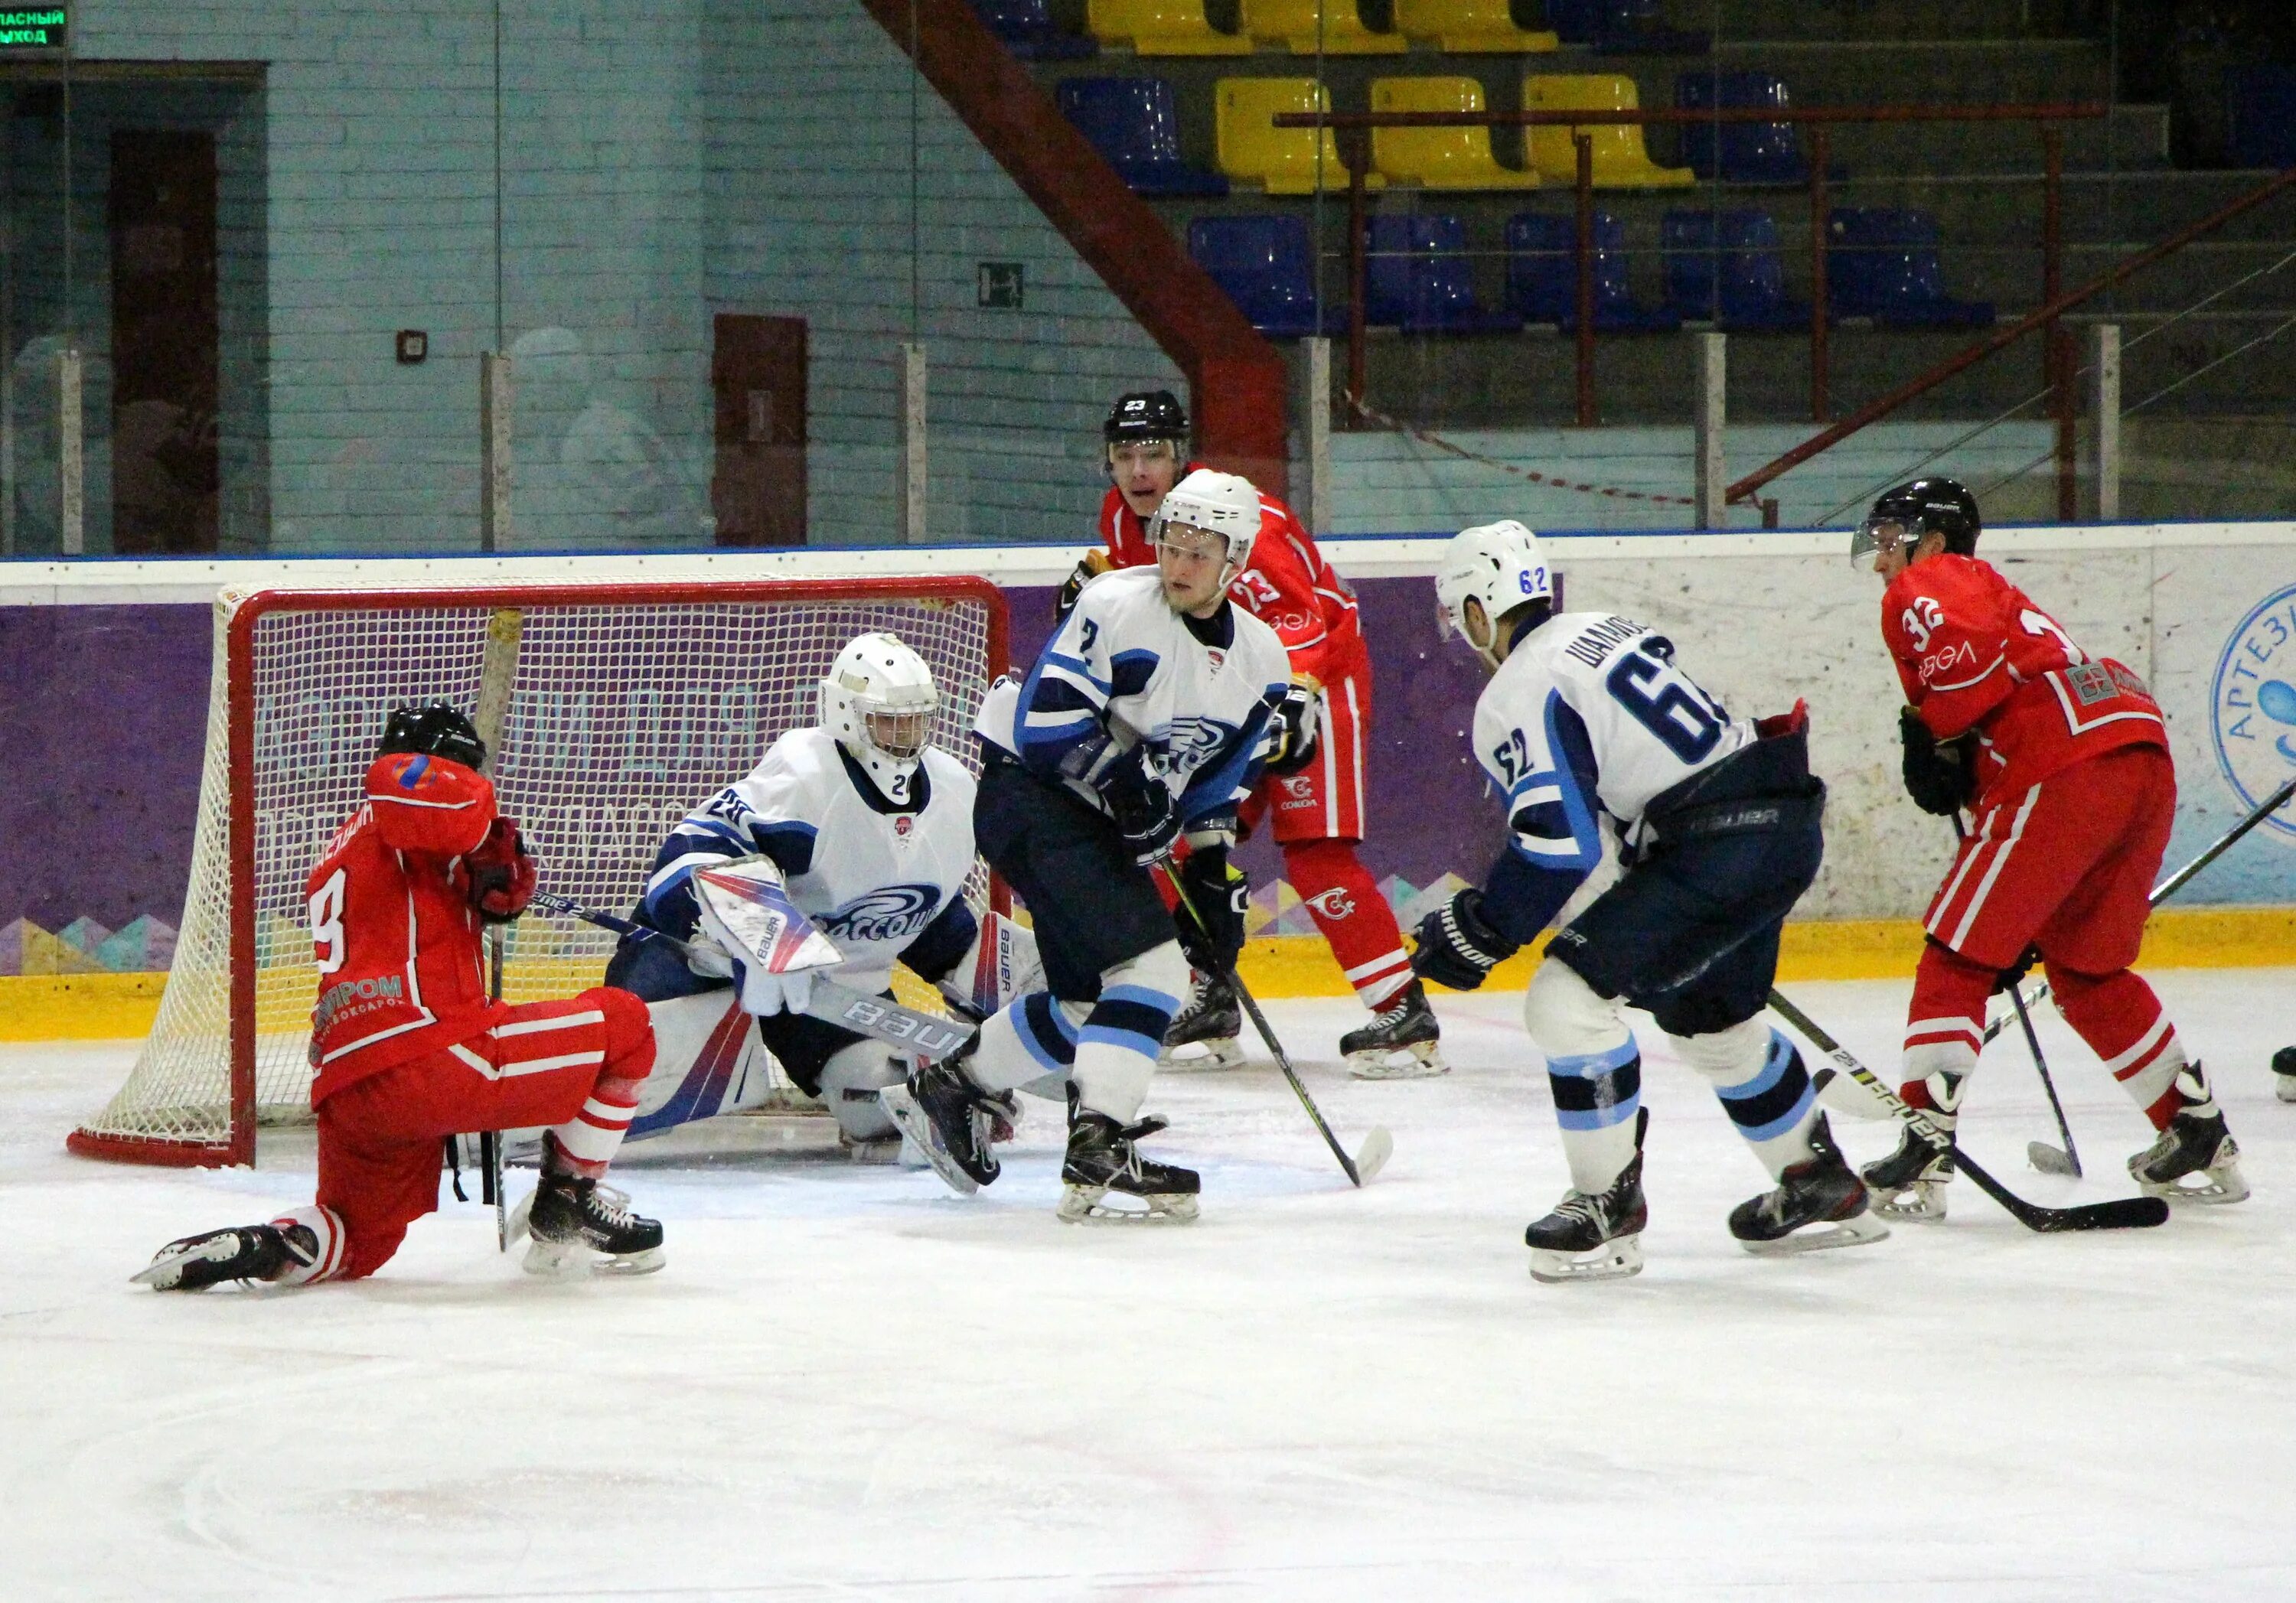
point(32, 27)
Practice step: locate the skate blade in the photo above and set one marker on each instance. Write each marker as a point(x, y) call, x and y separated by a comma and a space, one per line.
point(1617, 1259)
point(2211, 1188)
point(1842, 1232)
point(165, 1273)
point(1423, 1061)
point(577, 1260)
point(1203, 1057)
point(2050, 1160)
point(1089, 1204)
point(910, 1119)
point(2283, 1086)
point(1920, 1203)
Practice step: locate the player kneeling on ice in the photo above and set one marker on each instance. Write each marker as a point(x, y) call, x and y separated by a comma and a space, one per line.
point(409, 1049)
point(866, 827)
point(1147, 715)
point(1717, 820)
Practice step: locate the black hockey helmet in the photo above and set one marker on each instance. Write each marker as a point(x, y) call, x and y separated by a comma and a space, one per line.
point(1147, 415)
point(438, 729)
point(1943, 505)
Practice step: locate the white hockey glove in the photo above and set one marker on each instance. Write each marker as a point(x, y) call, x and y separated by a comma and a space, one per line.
point(764, 993)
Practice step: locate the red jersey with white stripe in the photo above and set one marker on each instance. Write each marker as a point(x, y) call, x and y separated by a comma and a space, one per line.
point(1974, 652)
point(396, 940)
point(1288, 586)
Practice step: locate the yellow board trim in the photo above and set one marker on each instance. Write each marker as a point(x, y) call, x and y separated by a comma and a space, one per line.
point(113, 1007)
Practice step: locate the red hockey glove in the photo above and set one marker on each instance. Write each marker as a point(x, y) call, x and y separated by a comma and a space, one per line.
point(503, 873)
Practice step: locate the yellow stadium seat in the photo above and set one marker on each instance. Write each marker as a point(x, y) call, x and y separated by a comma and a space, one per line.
point(1252, 150)
point(1470, 28)
point(1621, 160)
point(1437, 158)
point(1160, 27)
point(1291, 23)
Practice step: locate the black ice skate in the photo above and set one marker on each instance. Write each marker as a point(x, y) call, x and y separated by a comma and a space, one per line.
point(1594, 1238)
point(1204, 1035)
point(952, 1121)
point(2194, 1160)
point(247, 1252)
point(2284, 1073)
point(1820, 1190)
point(578, 1224)
point(1399, 1043)
point(1103, 1157)
point(1909, 1184)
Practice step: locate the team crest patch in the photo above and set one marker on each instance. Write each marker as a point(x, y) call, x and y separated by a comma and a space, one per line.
point(1219, 658)
point(904, 824)
point(2252, 705)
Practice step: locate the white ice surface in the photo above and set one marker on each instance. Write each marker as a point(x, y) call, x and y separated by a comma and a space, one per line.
point(849, 1384)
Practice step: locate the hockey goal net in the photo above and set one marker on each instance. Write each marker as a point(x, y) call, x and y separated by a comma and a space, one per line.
point(627, 703)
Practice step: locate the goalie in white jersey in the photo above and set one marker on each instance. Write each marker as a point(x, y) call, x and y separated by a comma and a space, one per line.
point(1716, 822)
point(1147, 716)
point(871, 827)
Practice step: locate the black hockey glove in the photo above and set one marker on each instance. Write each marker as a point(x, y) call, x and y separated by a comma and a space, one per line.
point(1457, 946)
point(1146, 812)
point(1939, 776)
point(1090, 567)
point(2013, 976)
point(1292, 727)
point(1219, 893)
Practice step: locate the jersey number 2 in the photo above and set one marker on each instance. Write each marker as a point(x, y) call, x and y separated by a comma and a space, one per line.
point(1665, 702)
point(327, 923)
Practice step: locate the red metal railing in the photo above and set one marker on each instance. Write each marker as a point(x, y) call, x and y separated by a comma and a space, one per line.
point(1351, 129)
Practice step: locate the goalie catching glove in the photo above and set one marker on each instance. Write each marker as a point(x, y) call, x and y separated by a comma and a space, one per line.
point(1458, 946)
point(1292, 728)
point(502, 871)
point(1939, 775)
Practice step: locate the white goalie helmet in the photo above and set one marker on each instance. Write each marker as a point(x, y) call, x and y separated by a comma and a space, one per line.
point(1498, 565)
point(1225, 505)
point(879, 702)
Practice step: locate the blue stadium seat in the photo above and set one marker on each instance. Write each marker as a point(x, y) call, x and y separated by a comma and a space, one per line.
point(1881, 262)
point(1622, 27)
point(1421, 280)
point(1136, 122)
point(1753, 152)
point(2260, 116)
point(1026, 28)
point(1731, 274)
point(1265, 263)
point(1543, 275)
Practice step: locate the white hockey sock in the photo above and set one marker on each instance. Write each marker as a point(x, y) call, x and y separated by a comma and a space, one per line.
point(1034, 1037)
point(326, 1228)
point(1763, 1086)
point(1593, 1070)
point(1117, 1046)
point(590, 1139)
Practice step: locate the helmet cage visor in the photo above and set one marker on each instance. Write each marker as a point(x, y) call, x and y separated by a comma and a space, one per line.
point(1881, 534)
point(902, 733)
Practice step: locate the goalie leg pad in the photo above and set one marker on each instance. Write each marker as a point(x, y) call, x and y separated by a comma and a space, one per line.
point(850, 1081)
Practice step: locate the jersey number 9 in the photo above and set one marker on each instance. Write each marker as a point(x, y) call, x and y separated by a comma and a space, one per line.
point(327, 923)
point(1663, 700)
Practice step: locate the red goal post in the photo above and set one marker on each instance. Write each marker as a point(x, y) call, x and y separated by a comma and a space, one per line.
point(629, 701)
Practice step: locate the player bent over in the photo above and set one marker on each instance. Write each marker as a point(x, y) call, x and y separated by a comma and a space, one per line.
point(1318, 813)
point(409, 1049)
point(1147, 714)
point(870, 826)
point(1717, 821)
point(2063, 759)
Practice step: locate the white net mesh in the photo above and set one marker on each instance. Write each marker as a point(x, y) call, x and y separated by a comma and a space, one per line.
point(623, 714)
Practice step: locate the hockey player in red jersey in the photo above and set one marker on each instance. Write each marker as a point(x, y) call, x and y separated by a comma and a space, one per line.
point(1316, 815)
point(2062, 760)
point(408, 1049)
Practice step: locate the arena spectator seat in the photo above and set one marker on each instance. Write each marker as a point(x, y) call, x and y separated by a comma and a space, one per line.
point(1293, 25)
point(1470, 28)
point(1134, 122)
point(1621, 159)
point(1543, 275)
point(1251, 150)
point(1267, 267)
point(1026, 28)
point(1455, 159)
point(1753, 152)
point(1160, 27)
point(1881, 262)
point(1420, 279)
point(1622, 27)
point(2260, 116)
point(1727, 270)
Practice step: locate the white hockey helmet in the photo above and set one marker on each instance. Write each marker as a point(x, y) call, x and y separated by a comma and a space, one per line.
point(1500, 567)
point(1225, 505)
point(879, 702)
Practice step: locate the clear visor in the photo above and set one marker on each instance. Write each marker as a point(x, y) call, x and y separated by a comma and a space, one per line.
point(1131, 452)
point(1188, 542)
point(1878, 536)
point(900, 735)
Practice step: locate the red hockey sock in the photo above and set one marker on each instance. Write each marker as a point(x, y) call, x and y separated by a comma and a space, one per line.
point(2120, 1018)
point(1946, 1021)
point(1353, 917)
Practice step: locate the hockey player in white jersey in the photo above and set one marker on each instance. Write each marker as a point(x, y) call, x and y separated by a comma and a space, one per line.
point(871, 827)
point(1716, 822)
point(1146, 717)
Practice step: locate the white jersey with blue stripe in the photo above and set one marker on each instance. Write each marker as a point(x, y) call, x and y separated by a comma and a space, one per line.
point(1125, 669)
point(881, 881)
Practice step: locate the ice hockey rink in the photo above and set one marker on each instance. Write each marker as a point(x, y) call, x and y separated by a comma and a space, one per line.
point(848, 1383)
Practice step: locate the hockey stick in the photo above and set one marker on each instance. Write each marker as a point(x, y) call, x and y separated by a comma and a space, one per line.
point(496, 668)
point(1378, 1146)
point(2126, 1213)
point(929, 1035)
point(2048, 1159)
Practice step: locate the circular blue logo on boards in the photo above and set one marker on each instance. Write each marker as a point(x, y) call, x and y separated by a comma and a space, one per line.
point(2252, 706)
